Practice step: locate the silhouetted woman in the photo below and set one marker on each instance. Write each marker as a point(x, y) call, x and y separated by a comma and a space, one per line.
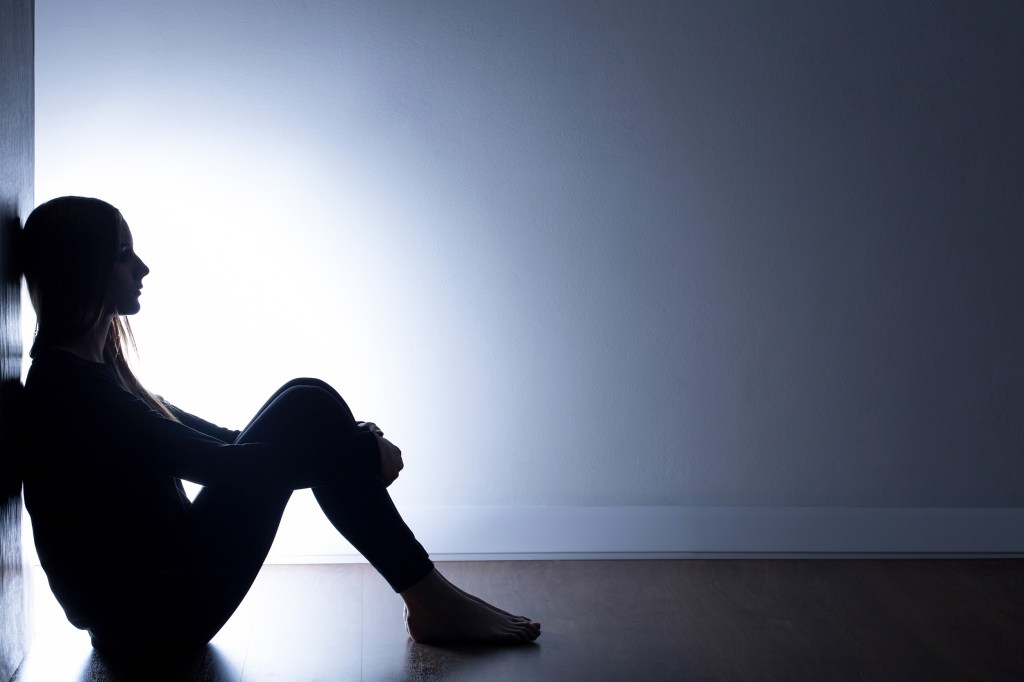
point(126, 553)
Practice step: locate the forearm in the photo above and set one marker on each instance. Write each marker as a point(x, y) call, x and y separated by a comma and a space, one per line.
point(306, 463)
point(202, 426)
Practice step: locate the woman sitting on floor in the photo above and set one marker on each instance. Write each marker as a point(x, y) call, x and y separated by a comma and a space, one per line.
point(126, 553)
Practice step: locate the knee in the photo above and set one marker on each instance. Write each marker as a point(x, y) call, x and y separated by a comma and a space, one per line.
point(299, 411)
point(313, 403)
point(309, 382)
point(299, 396)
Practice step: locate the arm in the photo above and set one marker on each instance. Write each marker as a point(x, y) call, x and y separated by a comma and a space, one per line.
point(85, 418)
point(202, 426)
point(140, 437)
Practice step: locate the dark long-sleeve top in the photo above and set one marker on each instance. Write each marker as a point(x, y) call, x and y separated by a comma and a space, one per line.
point(102, 475)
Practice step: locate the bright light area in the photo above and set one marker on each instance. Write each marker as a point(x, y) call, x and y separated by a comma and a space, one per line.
point(432, 211)
point(250, 287)
point(247, 290)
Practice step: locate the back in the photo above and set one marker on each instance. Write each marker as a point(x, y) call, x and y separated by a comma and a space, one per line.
point(100, 517)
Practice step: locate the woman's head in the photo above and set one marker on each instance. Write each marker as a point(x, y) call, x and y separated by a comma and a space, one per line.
point(82, 271)
point(80, 267)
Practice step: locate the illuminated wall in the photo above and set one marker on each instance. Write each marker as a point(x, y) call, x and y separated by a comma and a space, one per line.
point(577, 254)
point(16, 170)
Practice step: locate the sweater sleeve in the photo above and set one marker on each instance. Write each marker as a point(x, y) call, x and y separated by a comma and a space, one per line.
point(202, 426)
point(178, 450)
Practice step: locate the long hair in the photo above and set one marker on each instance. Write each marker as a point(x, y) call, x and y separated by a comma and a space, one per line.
point(69, 248)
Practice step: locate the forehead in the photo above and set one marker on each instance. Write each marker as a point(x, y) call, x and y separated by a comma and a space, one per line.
point(123, 232)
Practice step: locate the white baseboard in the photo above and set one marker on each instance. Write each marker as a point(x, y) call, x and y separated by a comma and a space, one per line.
point(451, 533)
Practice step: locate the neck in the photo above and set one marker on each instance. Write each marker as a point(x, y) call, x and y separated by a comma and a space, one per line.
point(89, 346)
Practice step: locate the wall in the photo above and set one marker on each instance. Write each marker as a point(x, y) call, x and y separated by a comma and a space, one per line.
point(577, 255)
point(16, 177)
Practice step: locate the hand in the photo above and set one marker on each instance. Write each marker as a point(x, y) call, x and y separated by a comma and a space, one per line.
point(369, 426)
point(390, 460)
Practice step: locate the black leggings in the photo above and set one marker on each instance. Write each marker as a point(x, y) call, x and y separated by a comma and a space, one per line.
point(230, 531)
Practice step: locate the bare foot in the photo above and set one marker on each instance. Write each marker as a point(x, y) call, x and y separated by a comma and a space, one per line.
point(481, 601)
point(437, 612)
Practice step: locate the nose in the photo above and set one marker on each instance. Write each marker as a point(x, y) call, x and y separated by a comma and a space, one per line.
point(141, 269)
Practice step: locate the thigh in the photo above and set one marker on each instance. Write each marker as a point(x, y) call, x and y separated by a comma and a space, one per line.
point(228, 536)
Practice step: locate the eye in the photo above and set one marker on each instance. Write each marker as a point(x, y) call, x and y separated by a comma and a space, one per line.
point(124, 253)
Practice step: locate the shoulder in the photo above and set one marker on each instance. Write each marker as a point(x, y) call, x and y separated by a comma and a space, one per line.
point(58, 375)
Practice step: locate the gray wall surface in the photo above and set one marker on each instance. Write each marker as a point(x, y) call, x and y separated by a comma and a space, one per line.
point(595, 253)
point(16, 178)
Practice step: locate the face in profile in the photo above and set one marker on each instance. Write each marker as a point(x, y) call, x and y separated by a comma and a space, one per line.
point(126, 280)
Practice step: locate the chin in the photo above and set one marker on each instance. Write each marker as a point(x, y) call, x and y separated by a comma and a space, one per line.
point(129, 309)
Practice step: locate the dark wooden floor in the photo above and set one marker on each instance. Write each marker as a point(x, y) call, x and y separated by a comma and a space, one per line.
point(615, 620)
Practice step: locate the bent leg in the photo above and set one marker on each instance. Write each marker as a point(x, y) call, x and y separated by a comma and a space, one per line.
point(232, 530)
point(361, 510)
point(365, 515)
point(437, 610)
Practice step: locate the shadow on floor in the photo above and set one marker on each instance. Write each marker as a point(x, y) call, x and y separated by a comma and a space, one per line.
point(208, 665)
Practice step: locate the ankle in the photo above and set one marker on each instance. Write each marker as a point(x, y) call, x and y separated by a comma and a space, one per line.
point(423, 593)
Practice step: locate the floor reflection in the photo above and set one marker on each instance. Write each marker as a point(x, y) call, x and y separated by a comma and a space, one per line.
point(424, 662)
